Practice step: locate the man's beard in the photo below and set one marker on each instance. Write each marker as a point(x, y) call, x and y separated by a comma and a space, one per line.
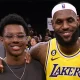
point(69, 43)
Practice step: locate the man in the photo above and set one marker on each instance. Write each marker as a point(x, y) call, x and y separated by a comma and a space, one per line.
point(60, 56)
point(14, 31)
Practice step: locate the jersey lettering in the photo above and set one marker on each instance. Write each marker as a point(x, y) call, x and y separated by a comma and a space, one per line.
point(69, 71)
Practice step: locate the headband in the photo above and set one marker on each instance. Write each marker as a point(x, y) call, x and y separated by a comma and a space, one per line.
point(63, 6)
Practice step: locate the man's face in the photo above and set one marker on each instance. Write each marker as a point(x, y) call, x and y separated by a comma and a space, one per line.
point(14, 39)
point(65, 24)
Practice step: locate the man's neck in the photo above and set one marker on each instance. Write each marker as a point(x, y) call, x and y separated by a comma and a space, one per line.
point(12, 60)
point(72, 49)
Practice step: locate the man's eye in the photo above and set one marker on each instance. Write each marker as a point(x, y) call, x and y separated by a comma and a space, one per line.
point(70, 20)
point(59, 22)
point(21, 36)
point(8, 36)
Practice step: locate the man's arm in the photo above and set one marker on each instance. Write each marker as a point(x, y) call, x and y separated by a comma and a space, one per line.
point(39, 52)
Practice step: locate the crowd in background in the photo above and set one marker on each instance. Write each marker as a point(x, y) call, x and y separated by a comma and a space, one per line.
point(34, 38)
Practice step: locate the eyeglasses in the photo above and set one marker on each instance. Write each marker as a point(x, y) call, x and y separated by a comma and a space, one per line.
point(11, 36)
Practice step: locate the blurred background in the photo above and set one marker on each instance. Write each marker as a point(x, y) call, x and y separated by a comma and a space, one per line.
point(35, 12)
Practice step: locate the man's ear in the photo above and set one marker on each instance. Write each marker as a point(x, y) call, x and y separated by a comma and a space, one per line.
point(1, 38)
point(78, 19)
point(52, 23)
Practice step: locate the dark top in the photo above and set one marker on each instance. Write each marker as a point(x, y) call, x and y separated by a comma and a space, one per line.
point(2, 50)
point(34, 71)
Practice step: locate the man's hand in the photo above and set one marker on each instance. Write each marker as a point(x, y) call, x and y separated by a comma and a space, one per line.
point(1, 65)
point(27, 57)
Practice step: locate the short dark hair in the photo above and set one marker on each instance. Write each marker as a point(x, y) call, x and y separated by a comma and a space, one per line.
point(12, 19)
point(36, 38)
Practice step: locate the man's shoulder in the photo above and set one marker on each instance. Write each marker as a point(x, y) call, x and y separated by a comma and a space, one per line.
point(39, 46)
point(36, 63)
point(37, 69)
point(43, 44)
